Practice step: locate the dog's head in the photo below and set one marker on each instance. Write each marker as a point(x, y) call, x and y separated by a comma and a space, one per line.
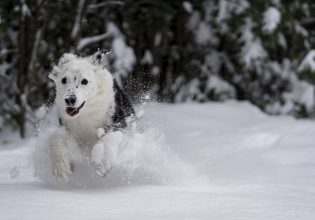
point(77, 81)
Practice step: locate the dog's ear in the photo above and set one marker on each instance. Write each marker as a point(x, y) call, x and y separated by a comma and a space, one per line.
point(101, 58)
point(66, 58)
point(54, 73)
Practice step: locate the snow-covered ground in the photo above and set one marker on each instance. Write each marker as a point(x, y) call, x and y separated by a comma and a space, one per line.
point(191, 161)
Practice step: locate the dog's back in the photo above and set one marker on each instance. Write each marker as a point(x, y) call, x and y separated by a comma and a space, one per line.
point(123, 109)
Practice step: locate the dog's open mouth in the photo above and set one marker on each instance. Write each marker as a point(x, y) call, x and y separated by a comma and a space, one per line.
point(73, 111)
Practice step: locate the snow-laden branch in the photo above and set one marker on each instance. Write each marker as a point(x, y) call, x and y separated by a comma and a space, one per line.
point(25, 10)
point(6, 51)
point(78, 18)
point(103, 4)
point(91, 40)
point(38, 38)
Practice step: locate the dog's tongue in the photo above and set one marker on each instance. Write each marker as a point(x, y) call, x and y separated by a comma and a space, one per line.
point(70, 110)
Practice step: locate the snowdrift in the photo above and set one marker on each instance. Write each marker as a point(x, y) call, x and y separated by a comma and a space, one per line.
point(188, 161)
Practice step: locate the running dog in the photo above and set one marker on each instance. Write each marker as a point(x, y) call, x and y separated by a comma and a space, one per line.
point(88, 100)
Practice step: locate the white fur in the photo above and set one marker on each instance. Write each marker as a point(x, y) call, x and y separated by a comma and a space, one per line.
point(103, 156)
point(98, 96)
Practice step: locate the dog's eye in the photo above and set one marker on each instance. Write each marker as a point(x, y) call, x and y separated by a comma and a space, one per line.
point(64, 80)
point(84, 82)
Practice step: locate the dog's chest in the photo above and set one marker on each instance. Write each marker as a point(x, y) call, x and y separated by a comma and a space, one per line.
point(84, 131)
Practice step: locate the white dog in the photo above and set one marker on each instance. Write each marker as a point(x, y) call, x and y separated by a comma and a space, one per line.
point(88, 100)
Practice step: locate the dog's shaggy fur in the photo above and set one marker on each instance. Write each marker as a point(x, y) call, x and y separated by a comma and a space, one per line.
point(88, 99)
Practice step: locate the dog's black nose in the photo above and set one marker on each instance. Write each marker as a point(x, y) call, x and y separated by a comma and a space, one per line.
point(70, 100)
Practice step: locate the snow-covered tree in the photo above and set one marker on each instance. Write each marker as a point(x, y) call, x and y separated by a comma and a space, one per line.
point(254, 48)
point(190, 50)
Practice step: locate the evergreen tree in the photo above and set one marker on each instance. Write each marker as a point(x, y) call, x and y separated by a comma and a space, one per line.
point(195, 50)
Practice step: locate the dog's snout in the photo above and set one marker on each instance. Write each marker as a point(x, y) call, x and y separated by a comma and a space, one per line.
point(70, 100)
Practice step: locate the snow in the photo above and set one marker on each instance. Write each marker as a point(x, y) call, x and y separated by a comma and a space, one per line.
point(202, 161)
point(3, 68)
point(147, 57)
point(112, 31)
point(104, 4)
point(253, 49)
point(91, 40)
point(308, 63)
point(204, 34)
point(25, 10)
point(271, 19)
point(303, 93)
point(219, 86)
point(222, 10)
point(189, 92)
point(201, 28)
point(282, 41)
point(188, 7)
point(157, 39)
point(193, 21)
point(76, 26)
point(125, 56)
point(155, 71)
point(301, 30)
point(226, 9)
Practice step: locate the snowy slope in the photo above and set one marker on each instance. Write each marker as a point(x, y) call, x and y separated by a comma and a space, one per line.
point(201, 161)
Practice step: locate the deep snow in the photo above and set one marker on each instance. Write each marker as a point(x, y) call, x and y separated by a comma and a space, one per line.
point(191, 161)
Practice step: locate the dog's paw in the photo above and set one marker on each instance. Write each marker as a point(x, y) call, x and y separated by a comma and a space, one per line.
point(100, 164)
point(62, 171)
point(102, 168)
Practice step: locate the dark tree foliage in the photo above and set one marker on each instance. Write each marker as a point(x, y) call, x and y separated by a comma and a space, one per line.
point(196, 50)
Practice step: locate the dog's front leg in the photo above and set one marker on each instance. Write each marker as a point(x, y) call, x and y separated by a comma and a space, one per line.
point(104, 152)
point(59, 159)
